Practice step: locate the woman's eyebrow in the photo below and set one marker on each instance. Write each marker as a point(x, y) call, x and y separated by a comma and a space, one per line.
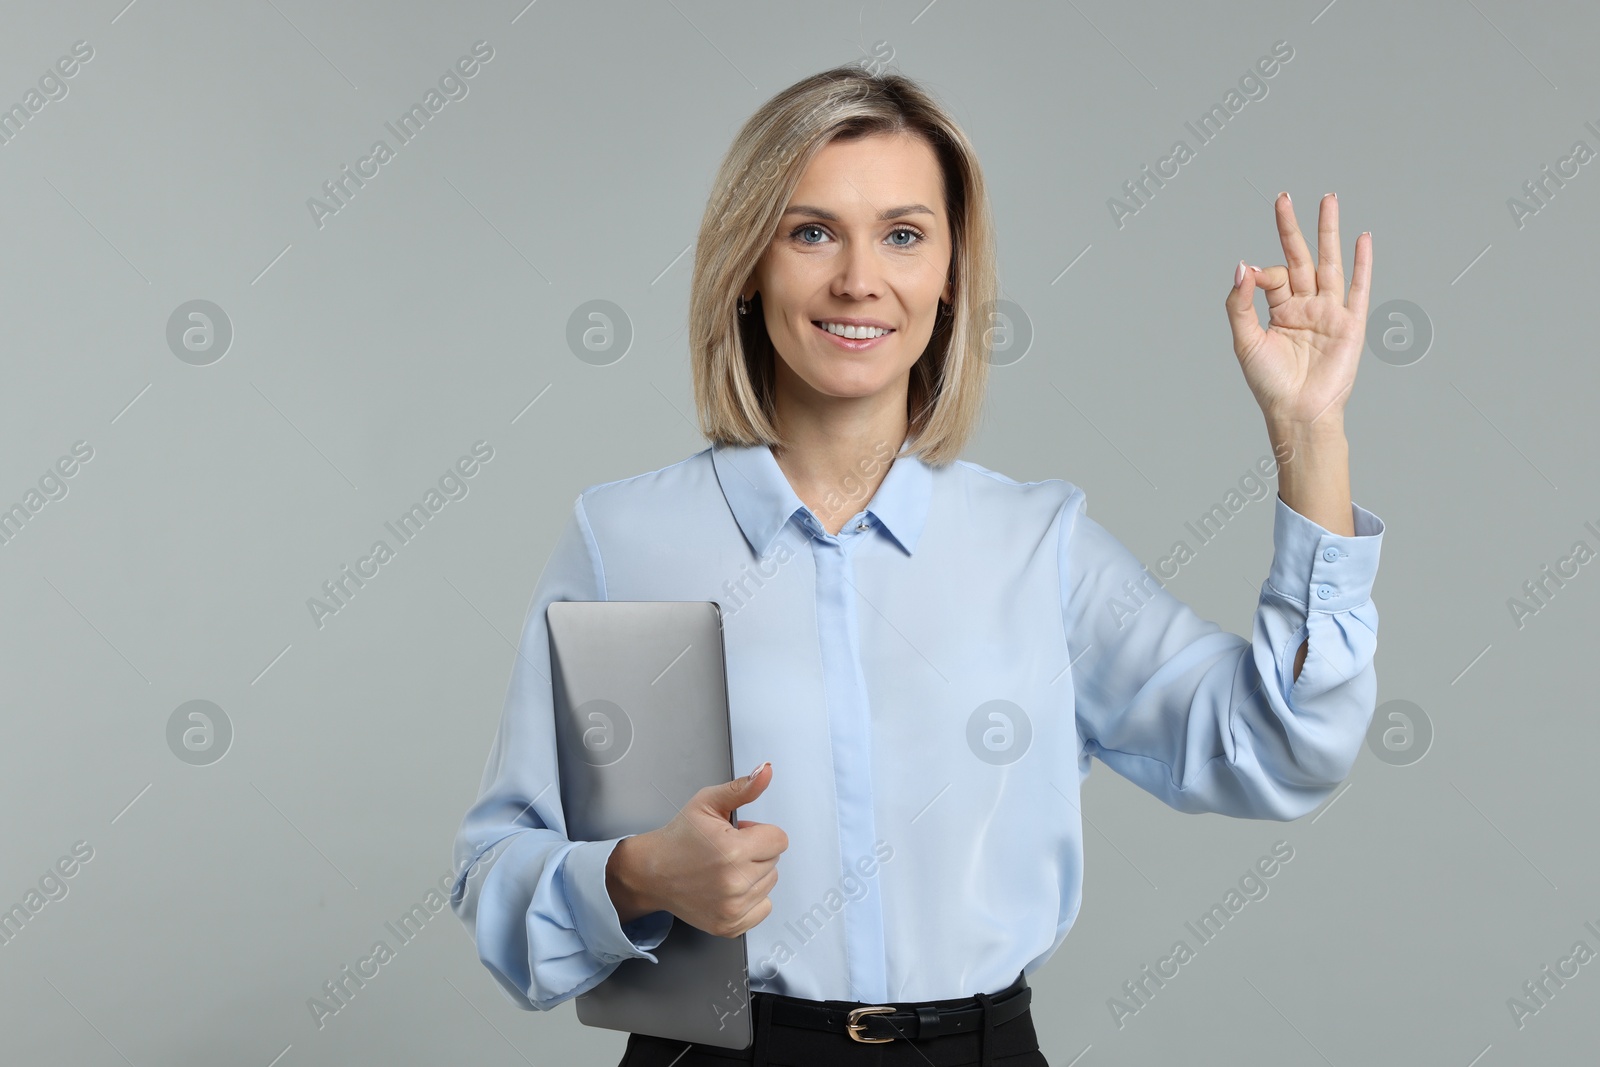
point(891, 213)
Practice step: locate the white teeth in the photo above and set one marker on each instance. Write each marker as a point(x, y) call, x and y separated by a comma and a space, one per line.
point(853, 332)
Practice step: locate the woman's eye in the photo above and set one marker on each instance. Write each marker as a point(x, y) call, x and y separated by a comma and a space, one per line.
point(908, 231)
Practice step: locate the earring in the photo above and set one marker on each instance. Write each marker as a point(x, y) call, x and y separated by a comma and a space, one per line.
point(744, 306)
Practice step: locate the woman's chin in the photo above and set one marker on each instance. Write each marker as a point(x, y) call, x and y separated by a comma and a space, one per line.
point(848, 376)
point(850, 387)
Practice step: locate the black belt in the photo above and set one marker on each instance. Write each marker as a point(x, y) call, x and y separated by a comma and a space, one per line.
point(876, 1023)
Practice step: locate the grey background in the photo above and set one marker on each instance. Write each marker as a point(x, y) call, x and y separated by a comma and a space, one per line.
point(431, 312)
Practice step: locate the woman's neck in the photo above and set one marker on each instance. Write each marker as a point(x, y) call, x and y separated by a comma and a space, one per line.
point(836, 471)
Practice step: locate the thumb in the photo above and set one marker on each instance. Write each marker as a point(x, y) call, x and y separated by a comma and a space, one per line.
point(743, 790)
point(724, 799)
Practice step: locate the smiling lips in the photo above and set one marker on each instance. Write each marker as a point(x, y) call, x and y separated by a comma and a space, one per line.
point(855, 338)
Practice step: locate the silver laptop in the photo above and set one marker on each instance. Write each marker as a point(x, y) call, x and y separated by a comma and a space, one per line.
point(641, 719)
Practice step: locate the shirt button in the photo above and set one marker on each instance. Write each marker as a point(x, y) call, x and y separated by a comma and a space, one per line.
point(861, 526)
point(1330, 554)
point(1324, 591)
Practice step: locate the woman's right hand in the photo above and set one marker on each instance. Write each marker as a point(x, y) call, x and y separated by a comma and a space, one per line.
point(711, 874)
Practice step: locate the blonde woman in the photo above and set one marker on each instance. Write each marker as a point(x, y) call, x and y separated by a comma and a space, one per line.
point(924, 655)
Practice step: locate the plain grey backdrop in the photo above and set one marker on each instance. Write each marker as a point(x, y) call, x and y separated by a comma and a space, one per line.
point(234, 455)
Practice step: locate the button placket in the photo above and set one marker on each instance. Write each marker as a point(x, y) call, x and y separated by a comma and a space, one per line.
point(1330, 554)
point(850, 731)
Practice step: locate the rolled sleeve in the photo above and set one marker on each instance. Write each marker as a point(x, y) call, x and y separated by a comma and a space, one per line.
point(1320, 570)
point(1319, 589)
point(1202, 718)
point(594, 914)
point(534, 901)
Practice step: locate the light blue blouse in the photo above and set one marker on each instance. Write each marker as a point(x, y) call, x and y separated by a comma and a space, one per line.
point(912, 679)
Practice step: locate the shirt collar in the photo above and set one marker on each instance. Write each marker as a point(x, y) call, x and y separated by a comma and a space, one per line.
point(763, 501)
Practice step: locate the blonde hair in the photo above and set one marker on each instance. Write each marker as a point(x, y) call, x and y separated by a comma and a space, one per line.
point(732, 355)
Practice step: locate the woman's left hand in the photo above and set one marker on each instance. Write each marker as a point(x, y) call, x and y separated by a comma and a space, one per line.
point(1302, 367)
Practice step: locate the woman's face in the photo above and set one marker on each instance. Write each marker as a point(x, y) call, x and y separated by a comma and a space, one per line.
point(865, 237)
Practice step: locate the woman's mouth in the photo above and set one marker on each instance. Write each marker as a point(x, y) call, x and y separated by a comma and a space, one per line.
point(852, 338)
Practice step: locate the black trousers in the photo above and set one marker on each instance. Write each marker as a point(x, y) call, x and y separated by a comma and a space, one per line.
point(1011, 1044)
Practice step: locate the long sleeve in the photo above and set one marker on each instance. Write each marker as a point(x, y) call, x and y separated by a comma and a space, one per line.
point(1196, 715)
point(534, 902)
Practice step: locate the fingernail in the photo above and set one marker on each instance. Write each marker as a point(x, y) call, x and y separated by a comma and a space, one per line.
point(757, 771)
point(1326, 195)
point(1238, 275)
point(1254, 267)
point(1286, 196)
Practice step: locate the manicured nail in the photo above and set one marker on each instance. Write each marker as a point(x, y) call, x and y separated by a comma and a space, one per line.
point(1286, 196)
point(1255, 268)
point(757, 771)
point(1238, 275)
point(1326, 195)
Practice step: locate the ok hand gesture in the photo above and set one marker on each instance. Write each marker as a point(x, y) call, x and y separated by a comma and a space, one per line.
point(1302, 367)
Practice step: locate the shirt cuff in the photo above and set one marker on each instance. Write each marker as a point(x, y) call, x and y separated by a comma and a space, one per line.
point(599, 925)
point(1320, 570)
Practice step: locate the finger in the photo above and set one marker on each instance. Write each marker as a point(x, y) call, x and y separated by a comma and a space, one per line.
point(1242, 318)
point(1273, 283)
point(1330, 268)
point(754, 915)
point(766, 844)
point(760, 889)
point(1302, 275)
point(1361, 284)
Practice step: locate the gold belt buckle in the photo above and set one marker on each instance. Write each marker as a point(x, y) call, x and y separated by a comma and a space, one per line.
point(855, 1028)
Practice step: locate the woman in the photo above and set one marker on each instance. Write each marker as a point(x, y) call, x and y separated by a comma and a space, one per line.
point(923, 654)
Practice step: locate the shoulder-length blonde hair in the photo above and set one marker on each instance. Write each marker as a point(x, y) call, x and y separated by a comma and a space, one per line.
point(732, 355)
